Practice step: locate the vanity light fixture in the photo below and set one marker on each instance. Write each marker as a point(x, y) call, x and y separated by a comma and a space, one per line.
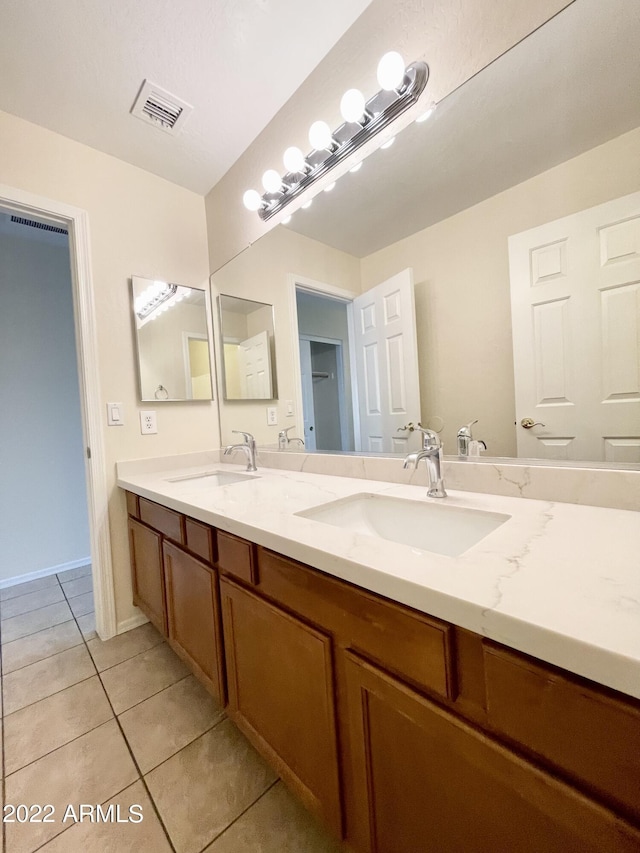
point(400, 89)
point(153, 297)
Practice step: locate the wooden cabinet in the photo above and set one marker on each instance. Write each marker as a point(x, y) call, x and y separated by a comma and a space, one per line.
point(193, 616)
point(403, 733)
point(426, 781)
point(281, 696)
point(147, 574)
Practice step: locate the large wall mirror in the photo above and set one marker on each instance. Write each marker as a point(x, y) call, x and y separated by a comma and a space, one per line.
point(247, 344)
point(514, 213)
point(172, 339)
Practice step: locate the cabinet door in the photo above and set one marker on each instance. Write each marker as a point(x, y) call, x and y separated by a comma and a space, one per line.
point(280, 681)
point(193, 616)
point(147, 574)
point(425, 781)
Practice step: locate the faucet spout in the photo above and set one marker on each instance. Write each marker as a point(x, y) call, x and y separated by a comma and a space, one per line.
point(431, 456)
point(248, 447)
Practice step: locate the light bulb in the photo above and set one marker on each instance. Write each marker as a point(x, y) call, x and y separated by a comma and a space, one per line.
point(428, 112)
point(271, 181)
point(286, 220)
point(357, 167)
point(307, 204)
point(252, 200)
point(320, 135)
point(293, 159)
point(391, 71)
point(330, 187)
point(388, 143)
point(352, 105)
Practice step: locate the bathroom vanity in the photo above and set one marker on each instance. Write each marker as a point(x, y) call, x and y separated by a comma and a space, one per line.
point(405, 696)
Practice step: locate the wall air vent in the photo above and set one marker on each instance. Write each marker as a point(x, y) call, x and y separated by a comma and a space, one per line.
point(43, 226)
point(160, 108)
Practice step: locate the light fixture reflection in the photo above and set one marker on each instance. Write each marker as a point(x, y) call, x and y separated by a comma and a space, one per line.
point(427, 113)
point(388, 143)
point(352, 105)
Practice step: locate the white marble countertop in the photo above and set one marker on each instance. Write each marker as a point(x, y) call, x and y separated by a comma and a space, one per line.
point(557, 581)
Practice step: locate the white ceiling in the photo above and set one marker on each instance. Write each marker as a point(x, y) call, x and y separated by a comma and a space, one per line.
point(570, 86)
point(76, 66)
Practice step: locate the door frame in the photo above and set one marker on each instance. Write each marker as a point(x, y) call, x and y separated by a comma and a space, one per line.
point(329, 291)
point(76, 221)
point(339, 345)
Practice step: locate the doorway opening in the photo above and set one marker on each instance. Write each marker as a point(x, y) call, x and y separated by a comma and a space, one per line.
point(41, 441)
point(76, 221)
point(325, 371)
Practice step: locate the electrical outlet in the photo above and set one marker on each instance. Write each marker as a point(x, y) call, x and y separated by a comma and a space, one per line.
point(148, 424)
point(272, 415)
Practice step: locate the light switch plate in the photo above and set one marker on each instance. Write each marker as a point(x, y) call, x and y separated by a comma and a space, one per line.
point(289, 405)
point(272, 415)
point(115, 415)
point(148, 424)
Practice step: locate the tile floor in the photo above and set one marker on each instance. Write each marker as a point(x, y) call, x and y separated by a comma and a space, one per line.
point(122, 724)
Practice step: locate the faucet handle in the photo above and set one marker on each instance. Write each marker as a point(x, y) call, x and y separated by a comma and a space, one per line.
point(430, 437)
point(283, 432)
point(465, 430)
point(247, 435)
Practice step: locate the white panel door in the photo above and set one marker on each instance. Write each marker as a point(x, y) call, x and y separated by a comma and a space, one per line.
point(386, 352)
point(575, 300)
point(255, 367)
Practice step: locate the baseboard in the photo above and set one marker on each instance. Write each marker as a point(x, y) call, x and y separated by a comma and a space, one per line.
point(43, 573)
point(131, 623)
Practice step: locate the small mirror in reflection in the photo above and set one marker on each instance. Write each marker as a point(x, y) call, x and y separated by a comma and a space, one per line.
point(173, 342)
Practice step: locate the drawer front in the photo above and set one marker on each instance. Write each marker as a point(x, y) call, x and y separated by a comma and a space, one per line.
point(168, 522)
point(414, 646)
point(200, 539)
point(590, 734)
point(133, 508)
point(236, 557)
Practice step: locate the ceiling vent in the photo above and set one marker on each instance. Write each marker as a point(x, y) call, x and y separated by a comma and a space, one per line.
point(160, 108)
point(43, 226)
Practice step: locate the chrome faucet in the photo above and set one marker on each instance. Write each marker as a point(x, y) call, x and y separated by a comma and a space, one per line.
point(284, 440)
point(431, 455)
point(464, 439)
point(248, 447)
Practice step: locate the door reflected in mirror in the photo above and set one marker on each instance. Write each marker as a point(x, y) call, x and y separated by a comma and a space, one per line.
point(248, 354)
point(172, 341)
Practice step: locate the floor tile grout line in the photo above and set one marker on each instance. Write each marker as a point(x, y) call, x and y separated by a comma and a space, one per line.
point(27, 612)
point(128, 745)
point(46, 657)
point(151, 695)
point(66, 743)
point(34, 591)
point(237, 818)
point(197, 737)
point(137, 654)
point(73, 618)
point(48, 696)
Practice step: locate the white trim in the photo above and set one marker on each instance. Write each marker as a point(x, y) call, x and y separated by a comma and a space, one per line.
point(131, 623)
point(77, 222)
point(43, 573)
point(342, 400)
point(186, 356)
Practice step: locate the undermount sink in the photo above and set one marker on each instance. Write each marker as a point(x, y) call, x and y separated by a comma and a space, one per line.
point(214, 478)
point(448, 530)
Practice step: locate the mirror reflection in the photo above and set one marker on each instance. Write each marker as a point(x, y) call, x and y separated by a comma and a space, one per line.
point(516, 208)
point(172, 341)
point(248, 364)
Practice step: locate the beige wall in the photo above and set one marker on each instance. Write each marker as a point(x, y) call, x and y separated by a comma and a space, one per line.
point(263, 273)
point(457, 38)
point(142, 225)
point(461, 274)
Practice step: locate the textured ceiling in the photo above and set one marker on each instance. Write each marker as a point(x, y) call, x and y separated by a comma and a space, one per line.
point(76, 66)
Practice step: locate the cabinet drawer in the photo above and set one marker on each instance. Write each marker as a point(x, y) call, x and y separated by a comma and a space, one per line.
point(237, 557)
point(416, 647)
point(591, 734)
point(200, 539)
point(168, 522)
point(133, 508)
